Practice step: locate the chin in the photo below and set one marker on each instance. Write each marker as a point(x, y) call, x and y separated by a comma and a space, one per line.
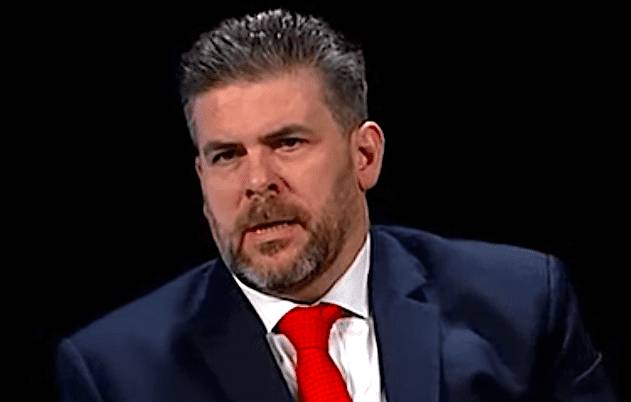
point(281, 262)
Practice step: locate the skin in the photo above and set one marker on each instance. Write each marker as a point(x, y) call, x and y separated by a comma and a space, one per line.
point(284, 185)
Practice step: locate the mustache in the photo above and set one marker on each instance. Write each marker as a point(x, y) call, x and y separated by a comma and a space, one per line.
point(269, 211)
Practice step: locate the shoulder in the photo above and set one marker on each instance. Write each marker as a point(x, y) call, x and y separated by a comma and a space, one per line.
point(433, 248)
point(149, 320)
point(476, 271)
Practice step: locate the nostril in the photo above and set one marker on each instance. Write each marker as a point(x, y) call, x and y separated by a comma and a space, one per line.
point(271, 188)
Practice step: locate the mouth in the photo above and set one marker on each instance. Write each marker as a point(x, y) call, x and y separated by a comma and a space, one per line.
point(270, 227)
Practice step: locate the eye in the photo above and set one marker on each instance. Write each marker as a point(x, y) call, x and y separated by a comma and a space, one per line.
point(290, 143)
point(224, 157)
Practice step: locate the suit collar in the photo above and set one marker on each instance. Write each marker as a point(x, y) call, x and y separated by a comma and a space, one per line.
point(407, 327)
point(227, 339)
point(230, 338)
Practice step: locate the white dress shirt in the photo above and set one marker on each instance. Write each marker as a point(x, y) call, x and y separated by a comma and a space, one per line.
point(352, 343)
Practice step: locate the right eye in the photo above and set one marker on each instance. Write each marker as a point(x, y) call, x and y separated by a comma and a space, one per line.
point(223, 157)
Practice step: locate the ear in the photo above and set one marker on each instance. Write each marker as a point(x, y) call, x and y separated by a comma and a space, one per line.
point(368, 145)
point(199, 169)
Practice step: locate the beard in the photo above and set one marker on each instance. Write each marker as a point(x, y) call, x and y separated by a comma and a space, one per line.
point(325, 239)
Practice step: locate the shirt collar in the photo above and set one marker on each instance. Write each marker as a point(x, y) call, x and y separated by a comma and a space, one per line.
point(349, 292)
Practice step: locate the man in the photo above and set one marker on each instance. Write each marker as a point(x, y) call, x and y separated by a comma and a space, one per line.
point(308, 302)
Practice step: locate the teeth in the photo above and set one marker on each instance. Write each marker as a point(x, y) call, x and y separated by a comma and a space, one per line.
point(271, 228)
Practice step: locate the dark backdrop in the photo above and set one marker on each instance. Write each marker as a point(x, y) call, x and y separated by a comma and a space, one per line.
point(499, 123)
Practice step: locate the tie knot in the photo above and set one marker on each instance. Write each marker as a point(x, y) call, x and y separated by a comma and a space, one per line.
point(309, 327)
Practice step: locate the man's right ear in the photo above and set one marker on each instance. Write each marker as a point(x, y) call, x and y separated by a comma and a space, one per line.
point(198, 167)
point(199, 170)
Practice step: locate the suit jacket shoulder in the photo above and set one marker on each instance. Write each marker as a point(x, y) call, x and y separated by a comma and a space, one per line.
point(509, 318)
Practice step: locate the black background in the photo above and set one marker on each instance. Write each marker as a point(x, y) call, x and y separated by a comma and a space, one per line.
point(500, 123)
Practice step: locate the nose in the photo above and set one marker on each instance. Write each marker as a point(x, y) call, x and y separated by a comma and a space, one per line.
point(261, 179)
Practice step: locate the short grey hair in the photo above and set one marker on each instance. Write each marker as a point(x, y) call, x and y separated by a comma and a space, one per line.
point(255, 46)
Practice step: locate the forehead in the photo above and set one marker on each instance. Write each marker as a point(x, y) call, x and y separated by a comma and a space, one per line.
point(294, 97)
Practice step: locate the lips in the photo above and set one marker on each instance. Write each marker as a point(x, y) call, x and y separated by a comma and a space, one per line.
point(269, 227)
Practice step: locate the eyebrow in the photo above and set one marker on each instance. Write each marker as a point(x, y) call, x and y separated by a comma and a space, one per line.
point(213, 146)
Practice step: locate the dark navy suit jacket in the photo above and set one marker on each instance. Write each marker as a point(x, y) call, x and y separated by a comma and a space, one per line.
point(455, 321)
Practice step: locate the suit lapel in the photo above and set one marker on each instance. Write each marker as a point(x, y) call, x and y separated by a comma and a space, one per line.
point(229, 335)
point(407, 327)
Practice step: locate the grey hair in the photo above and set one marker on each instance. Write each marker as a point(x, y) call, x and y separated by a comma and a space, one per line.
point(255, 46)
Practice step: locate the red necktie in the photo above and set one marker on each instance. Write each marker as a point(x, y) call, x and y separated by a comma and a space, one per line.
point(308, 329)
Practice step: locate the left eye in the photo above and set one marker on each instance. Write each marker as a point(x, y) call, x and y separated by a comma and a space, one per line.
point(289, 143)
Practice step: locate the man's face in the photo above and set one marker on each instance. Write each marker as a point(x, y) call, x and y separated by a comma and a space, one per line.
point(278, 179)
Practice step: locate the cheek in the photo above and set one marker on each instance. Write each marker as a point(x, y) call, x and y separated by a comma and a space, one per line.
point(317, 185)
point(309, 183)
point(222, 202)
